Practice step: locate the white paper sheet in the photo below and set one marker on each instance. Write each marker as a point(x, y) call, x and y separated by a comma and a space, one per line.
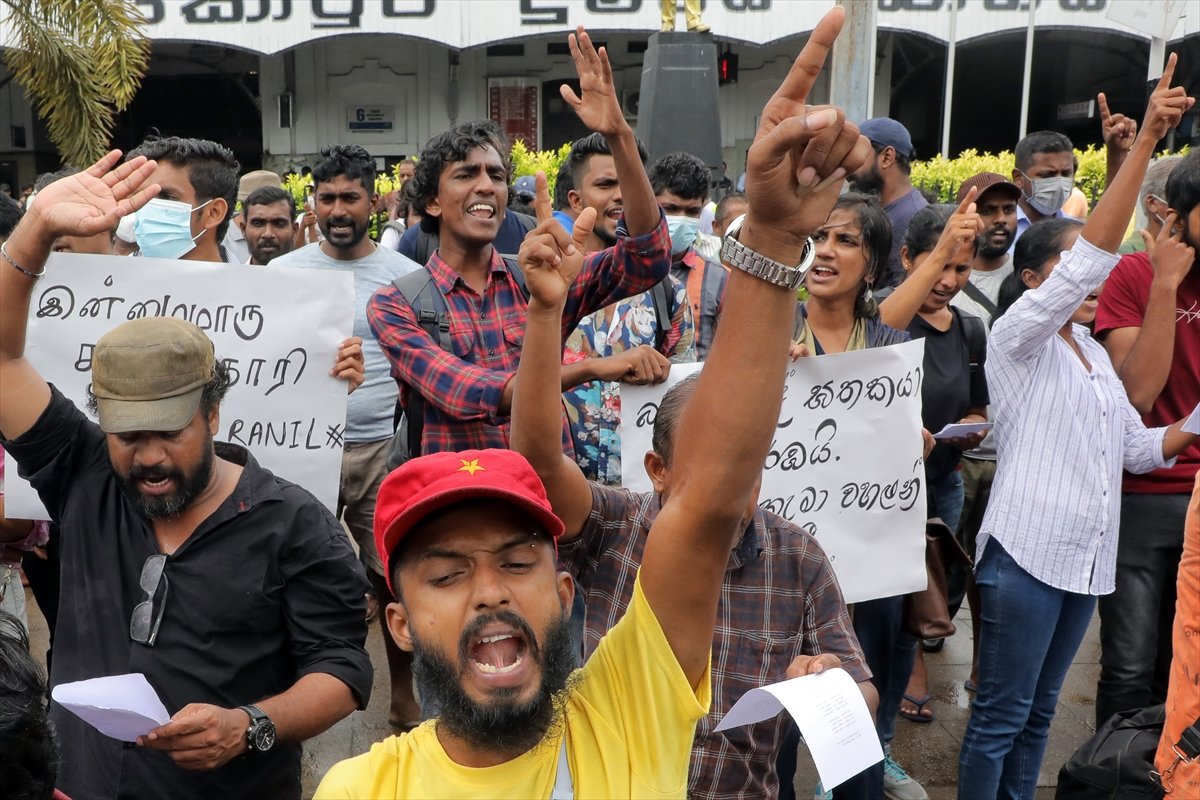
point(121, 706)
point(957, 429)
point(1193, 422)
point(832, 715)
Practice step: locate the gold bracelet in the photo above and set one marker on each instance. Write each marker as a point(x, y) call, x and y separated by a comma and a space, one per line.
point(18, 267)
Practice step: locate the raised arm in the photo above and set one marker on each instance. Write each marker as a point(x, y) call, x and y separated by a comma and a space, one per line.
point(551, 259)
point(1118, 132)
point(1142, 354)
point(798, 149)
point(82, 204)
point(1039, 313)
point(898, 308)
point(1105, 227)
point(599, 108)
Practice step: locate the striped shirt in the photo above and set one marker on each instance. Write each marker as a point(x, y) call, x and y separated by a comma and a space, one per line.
point(463, 389)
point(1063, 435)
point(779, 600)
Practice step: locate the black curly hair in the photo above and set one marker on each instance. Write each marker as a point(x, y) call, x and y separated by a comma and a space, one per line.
point(448, 147)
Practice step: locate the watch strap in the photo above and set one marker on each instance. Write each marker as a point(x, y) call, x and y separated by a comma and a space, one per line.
point(738, 256)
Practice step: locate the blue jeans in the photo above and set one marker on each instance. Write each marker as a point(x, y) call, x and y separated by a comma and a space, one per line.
point(1029, 634)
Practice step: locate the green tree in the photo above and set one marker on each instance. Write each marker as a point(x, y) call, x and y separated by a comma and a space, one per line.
point(78, 60)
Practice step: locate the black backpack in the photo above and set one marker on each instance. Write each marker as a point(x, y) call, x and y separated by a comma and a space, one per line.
point(429, 307)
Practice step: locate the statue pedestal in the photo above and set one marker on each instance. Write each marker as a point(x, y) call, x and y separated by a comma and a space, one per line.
point(677, 109)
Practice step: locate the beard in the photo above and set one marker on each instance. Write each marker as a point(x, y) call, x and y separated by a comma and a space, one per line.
point(606, 238)
point(357, 231)
point(167, 505)
point(988, 250)
point(505, 723)
point(869, 182)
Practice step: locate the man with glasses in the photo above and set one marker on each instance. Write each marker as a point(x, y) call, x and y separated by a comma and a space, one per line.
point(234, 592)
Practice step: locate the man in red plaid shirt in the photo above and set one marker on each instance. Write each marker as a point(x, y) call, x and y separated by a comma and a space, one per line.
point(462, 184)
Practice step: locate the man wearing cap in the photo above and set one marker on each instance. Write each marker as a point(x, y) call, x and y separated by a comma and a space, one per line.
point(234, 592)
point(469, 536)
point(237, 249)
point(887, 175)
point(345, 191)
point(778, 586)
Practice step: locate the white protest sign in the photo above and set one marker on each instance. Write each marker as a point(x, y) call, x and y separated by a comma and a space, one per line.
point(845, 464)
point(278, 329)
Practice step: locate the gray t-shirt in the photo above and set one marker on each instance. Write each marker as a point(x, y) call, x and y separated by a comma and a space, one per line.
point(370, 408)
point(988, 283)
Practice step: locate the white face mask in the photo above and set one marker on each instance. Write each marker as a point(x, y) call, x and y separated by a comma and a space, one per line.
point(1157, 199)
point(1049, 194)
point(164, 228)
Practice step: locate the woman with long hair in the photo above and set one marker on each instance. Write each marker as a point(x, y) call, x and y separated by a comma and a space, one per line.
point(1064, 430)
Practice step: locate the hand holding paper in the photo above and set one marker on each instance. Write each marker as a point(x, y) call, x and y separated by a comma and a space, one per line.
point(121, 706)
point(831, 714)
point(959, 429)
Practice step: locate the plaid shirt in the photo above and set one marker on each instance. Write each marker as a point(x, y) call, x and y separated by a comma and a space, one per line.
point(780, 599)
point(463, 389)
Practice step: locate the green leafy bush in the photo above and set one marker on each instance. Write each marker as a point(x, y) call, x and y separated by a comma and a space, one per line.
point(940, 177)
point(528, 162)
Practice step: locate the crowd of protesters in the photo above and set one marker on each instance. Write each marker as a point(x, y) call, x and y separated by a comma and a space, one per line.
point(539, 641)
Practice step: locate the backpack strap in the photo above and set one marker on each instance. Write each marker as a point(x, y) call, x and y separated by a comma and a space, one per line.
point(975, 334)
point(426, 244)
point(429, 307)
point(528, 223)
point(975, 293)
point(514, 269)
point(662, 312)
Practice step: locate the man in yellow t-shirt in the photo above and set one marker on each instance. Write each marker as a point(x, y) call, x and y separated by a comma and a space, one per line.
point(467, 539)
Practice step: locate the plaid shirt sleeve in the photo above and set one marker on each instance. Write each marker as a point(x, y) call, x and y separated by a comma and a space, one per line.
point(828, 628)
point(453, 386)
point(629, 267)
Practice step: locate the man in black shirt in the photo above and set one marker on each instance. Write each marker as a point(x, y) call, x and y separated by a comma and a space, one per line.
point(235, 592)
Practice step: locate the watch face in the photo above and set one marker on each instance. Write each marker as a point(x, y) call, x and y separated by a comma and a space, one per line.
point(264, 737)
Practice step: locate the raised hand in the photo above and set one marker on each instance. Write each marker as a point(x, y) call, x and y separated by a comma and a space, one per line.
point(1171, 257)
point(962, 227)
point(550, 257)
point(801, 153)
point(1118, 130)
point(1167, 104)
point(599, 107)
point(93, 201)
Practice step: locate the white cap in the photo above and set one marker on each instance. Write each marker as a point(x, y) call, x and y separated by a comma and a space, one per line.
point(125, 229)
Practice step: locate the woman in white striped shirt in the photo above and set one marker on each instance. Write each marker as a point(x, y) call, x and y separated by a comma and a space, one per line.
point(1064, 430)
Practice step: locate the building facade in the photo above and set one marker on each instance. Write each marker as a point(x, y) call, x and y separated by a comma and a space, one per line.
point(277, 79)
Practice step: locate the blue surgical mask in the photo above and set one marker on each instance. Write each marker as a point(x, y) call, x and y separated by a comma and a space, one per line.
point(1050, 194)
point(683, 232)
point(164, 228)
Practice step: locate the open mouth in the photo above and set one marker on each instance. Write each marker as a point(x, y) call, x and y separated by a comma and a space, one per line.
point(155, 486)
point(341, 229)
point(482, 211)
point(823, 272)
point(614, 213)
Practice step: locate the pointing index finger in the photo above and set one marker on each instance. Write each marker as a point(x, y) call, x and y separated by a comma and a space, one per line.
point(1168, 73)
point(1103, 102)
point(807, 67)
point(965, 206)
point(541, 198)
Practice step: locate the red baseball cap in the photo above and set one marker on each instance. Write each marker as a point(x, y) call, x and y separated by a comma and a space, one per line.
point(430, 483)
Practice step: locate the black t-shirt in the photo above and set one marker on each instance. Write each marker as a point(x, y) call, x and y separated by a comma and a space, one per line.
point(265, 591)
point(954, 382)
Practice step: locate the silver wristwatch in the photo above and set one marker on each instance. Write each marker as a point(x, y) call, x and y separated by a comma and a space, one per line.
point(737, 255)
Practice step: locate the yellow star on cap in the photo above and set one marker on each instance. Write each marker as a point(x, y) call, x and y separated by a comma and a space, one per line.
point(470, 467)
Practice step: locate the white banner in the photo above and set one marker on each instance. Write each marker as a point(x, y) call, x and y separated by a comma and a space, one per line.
point(845, 464)
point(278, 329)
point(273, 26)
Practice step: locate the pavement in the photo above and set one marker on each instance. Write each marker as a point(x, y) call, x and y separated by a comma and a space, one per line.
point(928, 751)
